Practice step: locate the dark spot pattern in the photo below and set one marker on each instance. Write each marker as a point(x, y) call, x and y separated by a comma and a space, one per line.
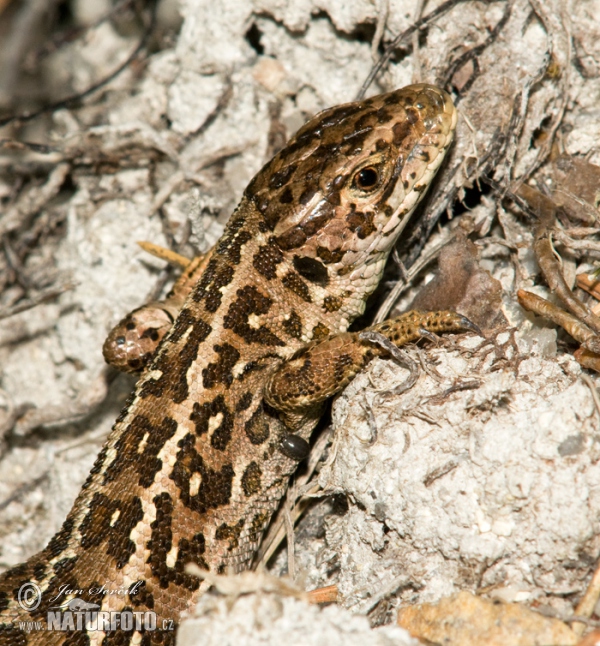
point(173, 381)
point(329, 256)
point(40, 568)
point(215, 486)
point(293, 325)
point(287, 197)
point(342, 362)
point(401, 130)
point(257, 526)
point(144, 462)
point(311, 269)
point(250, 301)
point(360, 223)
point(319, 217)
point(201, 414)
point(291, 239)
point(230, 533)
point(99, 462)
point(60, 541)
point(96, 526)
point(234, 249)
point(208, 276)
point(320, 332)
point(252, 479)
point(219, 372)
point(332, 303)
point(120, 546)
point(257, 427)
point(63, 566)
point(231, 243)
point(266, 259)
point(213, 296)
point(244, 402)
point(282, 177)
point(307, 195)
point(122, 415)
point(142, 596)
point(295, 284)
point(161, 543)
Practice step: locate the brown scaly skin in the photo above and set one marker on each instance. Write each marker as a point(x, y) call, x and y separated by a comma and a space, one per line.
point(193, 470)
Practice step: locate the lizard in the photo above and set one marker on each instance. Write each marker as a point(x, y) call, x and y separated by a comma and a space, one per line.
point(201, 454)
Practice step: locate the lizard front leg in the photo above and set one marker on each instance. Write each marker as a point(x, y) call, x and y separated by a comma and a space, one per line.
point(131, 344)
point(322, 369)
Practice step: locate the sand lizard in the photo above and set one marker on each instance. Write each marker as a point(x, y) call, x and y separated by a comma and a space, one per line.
point(198, 460)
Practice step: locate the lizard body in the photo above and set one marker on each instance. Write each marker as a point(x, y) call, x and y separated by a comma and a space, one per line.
point(194, 466)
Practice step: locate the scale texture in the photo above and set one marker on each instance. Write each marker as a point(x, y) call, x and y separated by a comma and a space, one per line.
point(195, 465)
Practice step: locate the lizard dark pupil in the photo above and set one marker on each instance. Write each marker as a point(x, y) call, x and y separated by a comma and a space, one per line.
point(367, 178)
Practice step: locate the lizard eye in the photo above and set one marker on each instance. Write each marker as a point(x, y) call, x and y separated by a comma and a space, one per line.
point(366, 179)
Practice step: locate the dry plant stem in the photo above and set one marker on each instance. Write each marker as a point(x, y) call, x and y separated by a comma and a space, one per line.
point(385, 57)
point(276, 532)
point(65, 412)
point(23, 489)
point(590, 284)
point(593, 390)
point(424, 259)
point(585, 607)
point(40, 297)
point(32, 201)
point(578, 330)
point(289, 531)
point(473, 53)
point(558, 30)
point(587, 359)
point(24, 29)
point(173, 183)
point(546, 258)
point(383, 10)
point(399, 355)
point(417, 72)
point(517, 122)
point(77, 98)
point(583, 232)
point(368, 605)
point(577, 245)
point(65, 37)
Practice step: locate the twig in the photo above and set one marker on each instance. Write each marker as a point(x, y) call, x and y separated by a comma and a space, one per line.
point(585, 607)
point(428, 256)
point(417, 75)
point(40, 297)
point(77, 98)
point(305, 489)
point(405, 35)
point(383, 10)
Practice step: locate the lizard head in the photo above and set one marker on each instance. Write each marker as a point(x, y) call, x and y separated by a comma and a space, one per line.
point(337, 197)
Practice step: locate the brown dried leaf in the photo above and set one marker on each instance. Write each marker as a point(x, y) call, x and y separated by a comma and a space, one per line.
point(463, 286)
